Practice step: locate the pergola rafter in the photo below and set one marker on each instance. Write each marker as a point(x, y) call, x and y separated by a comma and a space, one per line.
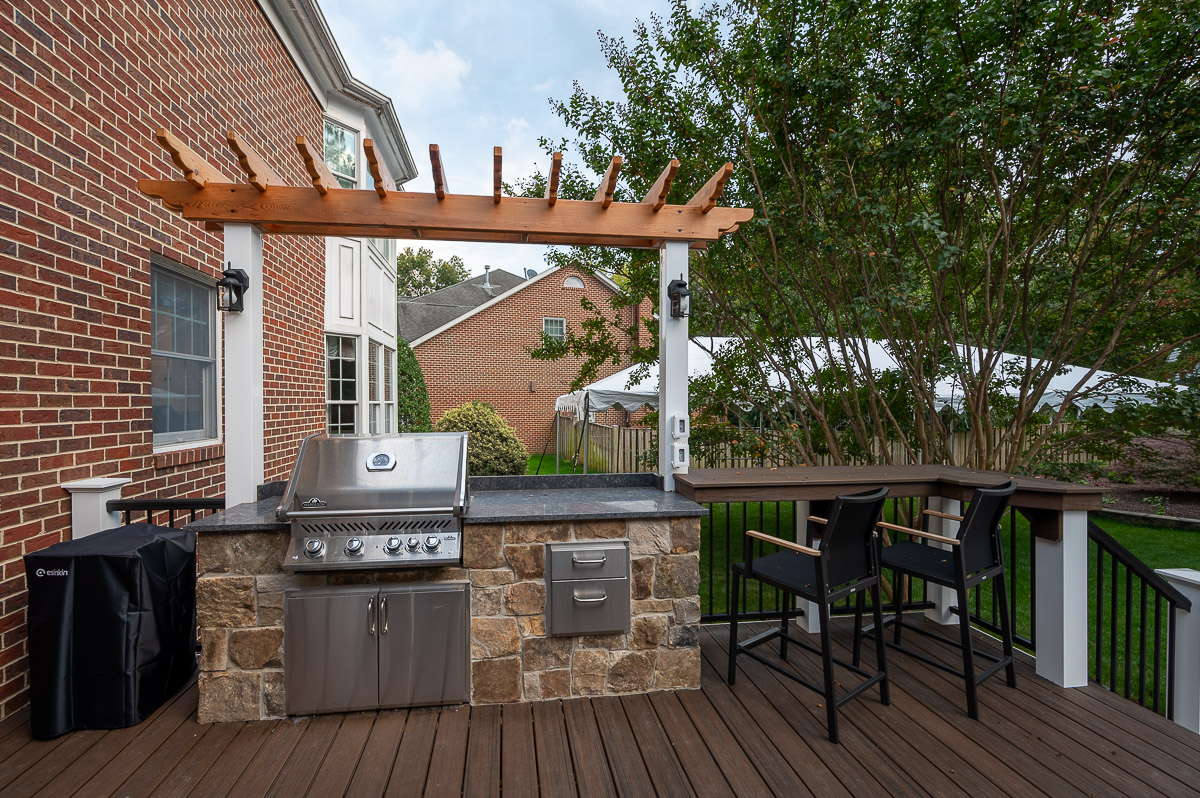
point(207, 196)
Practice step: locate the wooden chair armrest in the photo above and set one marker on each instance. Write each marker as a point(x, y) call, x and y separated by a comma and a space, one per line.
point(919, 533)
point(787, 544)
point(818, 519)
point(937, 514)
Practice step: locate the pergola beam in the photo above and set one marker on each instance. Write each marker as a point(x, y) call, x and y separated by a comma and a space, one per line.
point(608, 183)
point(403, 214)
point(706, 198)
point(257, 172)
point(195, 169)
point(439, 173)
point(656, 197)
point(497, 162)
point(318, 172)
point(552, 181)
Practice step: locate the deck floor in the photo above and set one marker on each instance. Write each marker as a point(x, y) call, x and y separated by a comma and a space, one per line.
point(764, 736)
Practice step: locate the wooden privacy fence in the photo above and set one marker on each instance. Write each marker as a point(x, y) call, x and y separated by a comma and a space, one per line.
point(621, 450)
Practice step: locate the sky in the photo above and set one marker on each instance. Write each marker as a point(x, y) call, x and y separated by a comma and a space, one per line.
point(476, 74)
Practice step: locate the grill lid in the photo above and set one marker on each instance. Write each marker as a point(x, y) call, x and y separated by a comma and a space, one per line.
point(421, 472)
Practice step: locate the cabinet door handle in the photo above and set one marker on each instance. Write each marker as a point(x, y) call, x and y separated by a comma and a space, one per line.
point(603, 559)
point(589, 600)
point(383, 614)
point(371, 616)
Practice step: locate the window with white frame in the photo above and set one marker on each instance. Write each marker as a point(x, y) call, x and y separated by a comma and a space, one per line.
point(341, 153)
point(555, 328)
point(380, 394)
point(183, 362)
point(341, 384)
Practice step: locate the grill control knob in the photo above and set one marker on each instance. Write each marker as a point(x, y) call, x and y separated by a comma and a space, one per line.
point(392, 545)
point(354, 547)
point(413, 544)
point(314, 547)
point(432, 542)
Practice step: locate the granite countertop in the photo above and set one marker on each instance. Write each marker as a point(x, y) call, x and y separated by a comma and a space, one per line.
point(510, 499)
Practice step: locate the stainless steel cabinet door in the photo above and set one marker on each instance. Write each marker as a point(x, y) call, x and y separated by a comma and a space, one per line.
point(424, 644)
point(331, 650)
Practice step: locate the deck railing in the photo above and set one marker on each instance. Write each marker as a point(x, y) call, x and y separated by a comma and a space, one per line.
point(1131, 609)
point(165, 512)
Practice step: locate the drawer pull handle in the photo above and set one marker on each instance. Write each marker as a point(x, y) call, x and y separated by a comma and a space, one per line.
point(371, 617)
point(603, 559)
point(589, 600)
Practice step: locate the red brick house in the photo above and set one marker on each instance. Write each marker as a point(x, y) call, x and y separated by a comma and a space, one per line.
point(479, 348)
point(111, 362)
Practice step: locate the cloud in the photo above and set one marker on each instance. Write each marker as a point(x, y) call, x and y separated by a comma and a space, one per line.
point(544, 86)
point(417, 78)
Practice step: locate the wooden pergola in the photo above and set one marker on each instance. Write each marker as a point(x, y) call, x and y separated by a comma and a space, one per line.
point(266, 204)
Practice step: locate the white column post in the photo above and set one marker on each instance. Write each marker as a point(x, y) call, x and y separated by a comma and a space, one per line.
point(811, 620)
point(89, 500)
point(672, 361)
point(244, 371)
point(1061, 612)
point(1184, 689)
point(943, 598)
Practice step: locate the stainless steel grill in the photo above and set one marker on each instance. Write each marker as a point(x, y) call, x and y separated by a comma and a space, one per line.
point(385, 501)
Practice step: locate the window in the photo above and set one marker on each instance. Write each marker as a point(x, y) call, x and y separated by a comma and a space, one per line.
point(572, 282)
point(183, 364)
point(380, 396)
point(341, 381)
point(341, 153)
point(555, 328)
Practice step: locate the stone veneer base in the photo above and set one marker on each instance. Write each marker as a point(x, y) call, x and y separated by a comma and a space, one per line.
point(239, 599)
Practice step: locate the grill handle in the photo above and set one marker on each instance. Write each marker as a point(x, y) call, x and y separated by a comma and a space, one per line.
point(374, 511)
point(371, 617)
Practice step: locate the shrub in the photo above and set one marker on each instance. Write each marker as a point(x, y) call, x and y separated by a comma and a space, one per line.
point(493, 447)
point(412, 395)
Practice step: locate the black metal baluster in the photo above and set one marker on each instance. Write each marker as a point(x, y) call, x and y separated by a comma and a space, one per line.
point(1142, 645)
point(1112, 615)
point(1099, 605)
point(1128, 628)
point(1158, 602)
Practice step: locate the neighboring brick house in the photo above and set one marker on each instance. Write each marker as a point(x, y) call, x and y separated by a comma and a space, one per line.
point(473, 343)
point(110, 343)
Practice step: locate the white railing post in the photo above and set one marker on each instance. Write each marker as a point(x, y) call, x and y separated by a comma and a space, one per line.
point(89, 504)
point(672, 361)
point(1061, 611)
point(244, 450)
point(943, 598)
point(810, 621)
point(1184, 689)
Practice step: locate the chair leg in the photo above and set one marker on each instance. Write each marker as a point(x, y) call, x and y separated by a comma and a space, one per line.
point(783, 626)
point(1006, 635)
point(880, 646)
point(968, 654)
point(858, 616)
point(827, 666)
point(733, 624)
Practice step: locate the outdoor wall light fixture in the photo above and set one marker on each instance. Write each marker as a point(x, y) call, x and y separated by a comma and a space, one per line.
point(230, 289)
point(681, 298)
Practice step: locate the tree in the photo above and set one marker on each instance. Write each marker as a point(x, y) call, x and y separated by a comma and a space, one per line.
point(954, 181)
point(419, 273)
point(412, 394)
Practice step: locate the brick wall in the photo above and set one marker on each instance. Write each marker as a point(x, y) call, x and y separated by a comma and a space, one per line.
point(486, 357)
point(83, 85)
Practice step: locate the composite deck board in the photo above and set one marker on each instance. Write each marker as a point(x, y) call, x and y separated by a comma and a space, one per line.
point(342, 759)
point(624, 756)
point(556, 775)
point(483, 753)
point(448, 767)
point(412, 760)
point(665, 771)
point(764, 736)
point(587, 750)
point(379, 754)
point(518, 756)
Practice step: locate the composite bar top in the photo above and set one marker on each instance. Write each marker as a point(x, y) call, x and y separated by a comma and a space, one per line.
point(1041, 500)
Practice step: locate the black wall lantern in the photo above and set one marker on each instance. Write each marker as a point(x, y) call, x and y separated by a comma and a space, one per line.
point(681, 298)
point(230, 289)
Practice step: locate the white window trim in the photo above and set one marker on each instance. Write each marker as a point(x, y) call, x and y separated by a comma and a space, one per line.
point(555, 318)
point(358, 151)
point(218, 331)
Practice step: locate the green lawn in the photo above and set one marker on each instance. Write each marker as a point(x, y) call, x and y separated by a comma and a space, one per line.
point(544, 464)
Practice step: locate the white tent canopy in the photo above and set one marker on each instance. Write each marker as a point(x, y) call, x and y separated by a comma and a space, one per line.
point(1103, 388)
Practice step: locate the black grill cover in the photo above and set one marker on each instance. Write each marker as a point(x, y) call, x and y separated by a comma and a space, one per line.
point(112, 627)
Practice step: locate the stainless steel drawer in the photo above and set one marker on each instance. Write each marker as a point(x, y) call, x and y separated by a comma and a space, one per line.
point(588, 561)
point(589, 606)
